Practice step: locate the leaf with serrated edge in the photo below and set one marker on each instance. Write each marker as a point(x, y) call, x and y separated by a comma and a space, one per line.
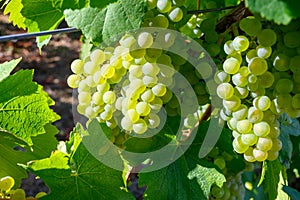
point(89, 178)
point(14, 7)
point(186, 178)
point(7, 67)
point(10, 158)
point(281, 11)
point(99, 25)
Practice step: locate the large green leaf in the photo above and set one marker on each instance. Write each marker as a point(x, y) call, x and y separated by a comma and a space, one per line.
point(100, 25)
point(14, 7)
point(281, 11)
point(85, 178)
point(187, 178)
point(7, 67)
point(270, 175)
point(9, 157)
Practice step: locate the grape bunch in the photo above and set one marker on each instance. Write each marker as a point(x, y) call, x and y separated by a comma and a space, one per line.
point(233, 189)
point(257, 83)
point(6, 192)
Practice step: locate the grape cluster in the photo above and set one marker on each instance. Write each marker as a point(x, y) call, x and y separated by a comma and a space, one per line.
point(6, 192)
point(256, 85)
point(233, 189)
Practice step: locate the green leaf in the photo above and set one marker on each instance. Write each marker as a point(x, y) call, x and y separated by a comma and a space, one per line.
point(100, 4)
point(24, 109)
point(281, 11)
point(271, 178)
point(19, 84)
point(293, 193)
point(100, 25)
point(86, 178)
point(186, 178)
point(289, 125)
point(10, 158)
point(14, 7)
point(69, 4)
point(7, 67)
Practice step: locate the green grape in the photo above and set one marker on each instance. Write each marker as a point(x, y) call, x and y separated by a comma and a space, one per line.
point(232, 123)
point(97, 98)
point(190, 121)
point(241, 92)
point(261, 129)
point(281, 62)
point(236, 134)
point(241, 112)
point(239, 146)
point(263, 52)
point(294, 64)
point(77, 66)
point(175, 14)
point(90, 81)
point(244, 71)
point(217, 192)
point(251, 54)
point(272, 155)
point(40, 195)
point(102, 88)
point(244, 126)
point(81, 109)
point(262, 103)
point(255, 115)
point(137, 52)
point(225, 90)
point(97, 56)
point(239, 80)
point(240, 43)
point(153, 120)
point(258, 66)
point(291, 39)
point(237, 56)
point(154, 53)
point(143, 108)
point(277, 144)
point(150, 69)
point(231, 65)
point(264, 143)
point(90, 67)
point(248, 155)
point(140, 126)
point(6, 183)
point(221, 77)
point(228, 48)
point(267, 37)
point(296, 101)
point(269, 117)
point(167, 96)
point(107, 71)
point(73, 80)
point(84, 98)
point(150, 81)
point(220, 162)
point(159, 90)
point(232, 104)
point(133, 115)
point(249, 139)
point(151, 3)
point(266, 80)
point(260, 155)
point(145, 39)
point(164, 6)
point(126, 124)
point(109, 97)
point(89, 112)
point(19, 194)
point(250, 25)
point(147, 96)
point(284, 86)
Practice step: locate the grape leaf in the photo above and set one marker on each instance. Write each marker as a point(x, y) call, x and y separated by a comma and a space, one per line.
point(186, 178)
point(18, 84)
point(14, 7)
point(89, 178)
point(100, 4)
point(100, 25)
point(7, 67)
point(271, 177)
point(293, 193)
point(281, 11)
point(9, 157)
point(291, 126)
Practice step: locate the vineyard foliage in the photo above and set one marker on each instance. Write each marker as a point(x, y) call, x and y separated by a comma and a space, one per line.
point(230, 170)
